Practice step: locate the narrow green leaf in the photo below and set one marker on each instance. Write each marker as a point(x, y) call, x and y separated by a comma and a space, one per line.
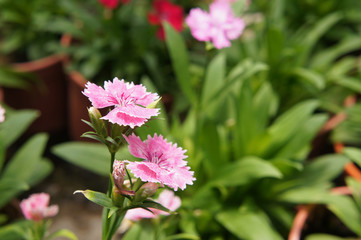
point(248, 223)
point(306, 195)
point(245, 171)
point(317, 175)
point(214, 77)
point(10, 78)
point(28, 155)
point(152, 204)
point(311, 77)
point(288, 123)
point(180, 61)
point(324, 59)
point(91, 156)
point(310, 38)
point(15, 125)
point(303, 136)
point(355, 187)
point(354, 84)
point(15, 231)
point(41, 170)
point(348, 212)
point(183, 236)
point(10, 188)
point(97, 197)
point(354, 154)
point(63, 233)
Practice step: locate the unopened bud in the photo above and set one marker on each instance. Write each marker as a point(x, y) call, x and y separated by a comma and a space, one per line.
point(118, 173)
point(97, 122)
point(147, 190)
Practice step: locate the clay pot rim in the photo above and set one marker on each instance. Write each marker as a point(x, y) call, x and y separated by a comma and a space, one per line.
point(78, 78)
point(38, 64)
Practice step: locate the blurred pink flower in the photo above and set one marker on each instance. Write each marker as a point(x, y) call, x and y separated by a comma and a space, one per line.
point(2, 114)
point(219, 25)
point(112, 4)
point(163, 10)
point(163, 162)
point(166, 198)
point(226, 1)
point(129, 102)
point(36, 207)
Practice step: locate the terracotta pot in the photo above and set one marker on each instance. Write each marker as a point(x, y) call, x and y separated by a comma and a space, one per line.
point(78, 104)
point(49, 98)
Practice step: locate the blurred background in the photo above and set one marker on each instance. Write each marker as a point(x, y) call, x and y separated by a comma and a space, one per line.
point(271, 124)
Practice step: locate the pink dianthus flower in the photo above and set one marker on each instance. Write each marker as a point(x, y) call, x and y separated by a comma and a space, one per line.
point(129, 102)
point(219, 25)
point(36, 207)
point(163, 162)
point(166, 198)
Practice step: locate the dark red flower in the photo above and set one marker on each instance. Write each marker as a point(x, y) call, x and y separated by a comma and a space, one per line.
point(164, 10)
point(112, 4)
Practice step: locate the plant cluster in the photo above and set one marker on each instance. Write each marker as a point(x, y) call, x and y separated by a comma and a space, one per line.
point(259, 85)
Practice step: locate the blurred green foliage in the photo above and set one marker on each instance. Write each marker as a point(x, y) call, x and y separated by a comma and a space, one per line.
point(248, 115)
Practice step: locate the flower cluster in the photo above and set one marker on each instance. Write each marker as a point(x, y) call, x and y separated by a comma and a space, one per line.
point(218, 26)
point(36, 207)
point(163, 163)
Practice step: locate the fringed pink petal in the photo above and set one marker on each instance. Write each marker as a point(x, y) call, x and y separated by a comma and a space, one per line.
point(137, 111)
point(235, 28)
point(137, 214)
point(98, 96)
point(199, 24)
point(181, 177)
point(123, 119)
point(136, 147)
point(169, 200)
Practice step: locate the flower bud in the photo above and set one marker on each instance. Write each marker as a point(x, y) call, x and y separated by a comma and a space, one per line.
point(118, 174)
point(145, 191)
point(97, 122)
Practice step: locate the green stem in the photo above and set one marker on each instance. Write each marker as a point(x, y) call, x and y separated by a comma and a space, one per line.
point(114, 224)
point(105, 219)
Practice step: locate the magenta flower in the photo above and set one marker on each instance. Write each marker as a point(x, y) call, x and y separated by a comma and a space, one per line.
point(2, 114)
point(164, 10)
point(219, 25)
point(163, 162)
point(36, 207)
point(129, 102)
point(166, 198)
point(111, 4)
